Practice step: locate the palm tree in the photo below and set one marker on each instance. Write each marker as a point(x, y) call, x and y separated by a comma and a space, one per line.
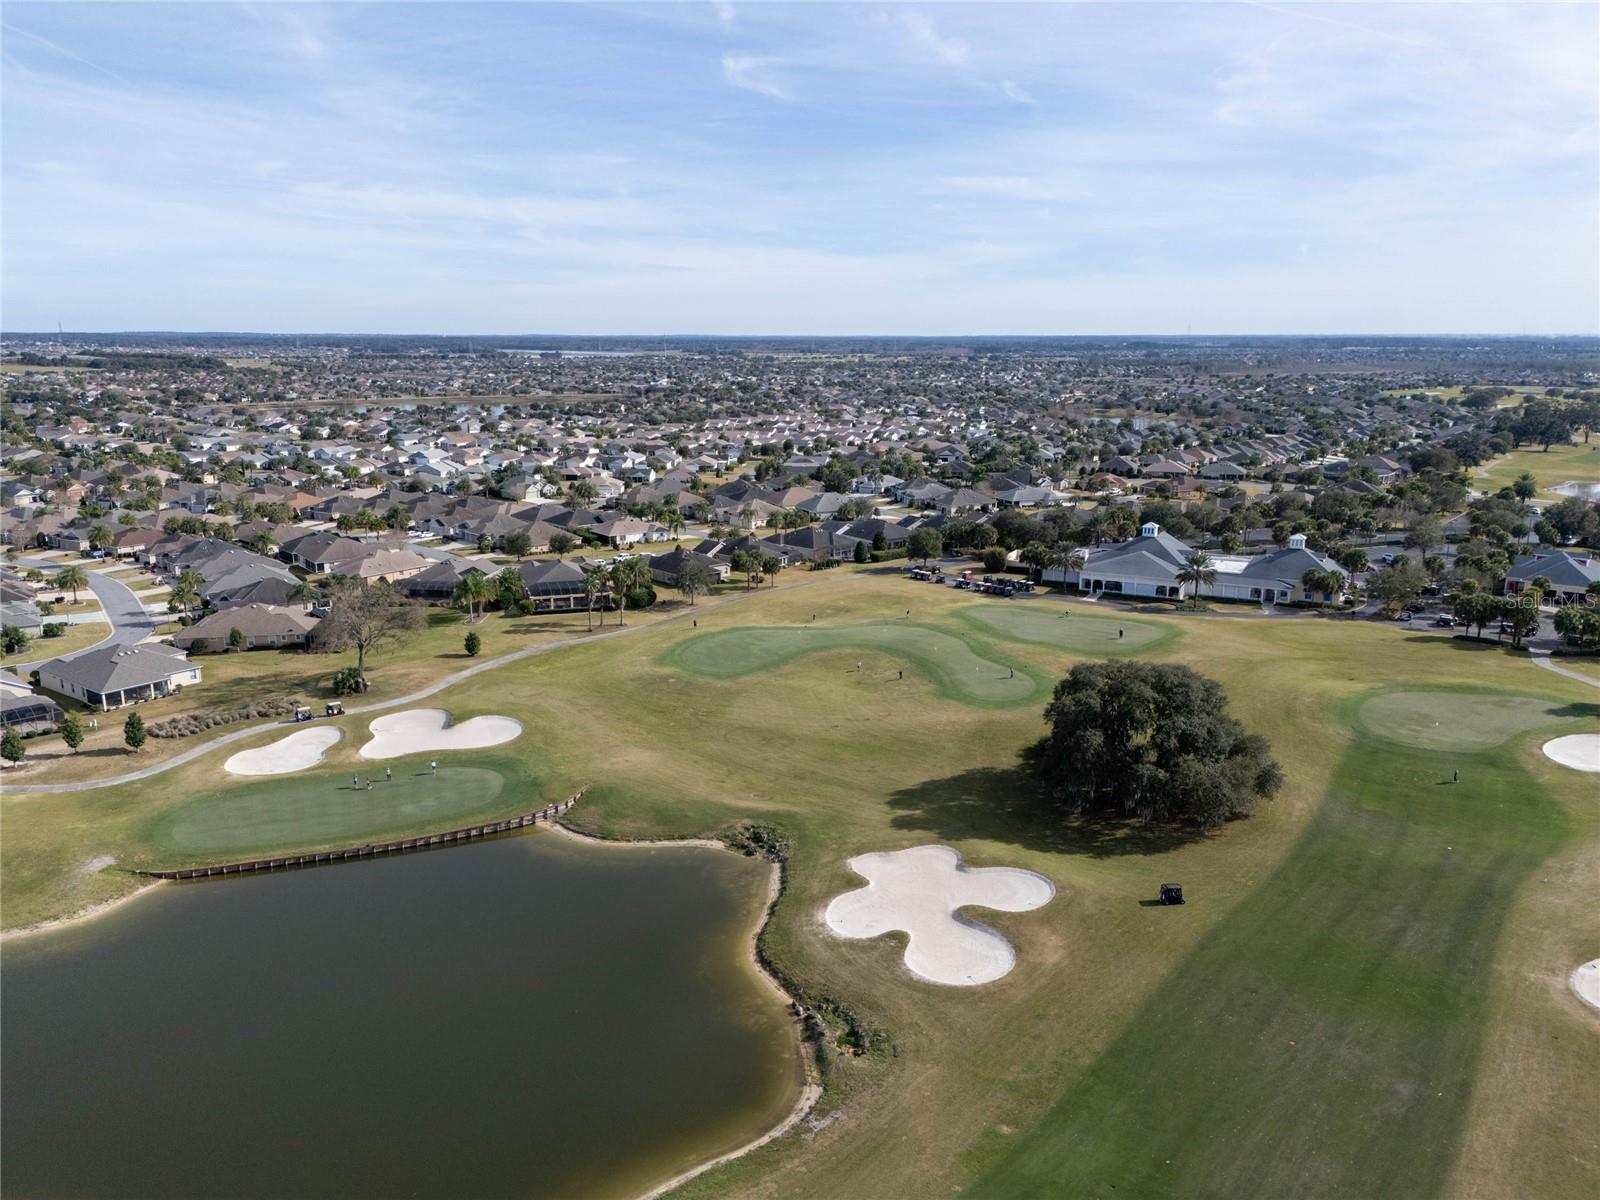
point(595, 584)
point(1036, 555)
point(1317, 580)
point(1197, 570)
point(472, 589)
point(771, 564)
point(185, 592)
point(1068, 559)
point(72, 578)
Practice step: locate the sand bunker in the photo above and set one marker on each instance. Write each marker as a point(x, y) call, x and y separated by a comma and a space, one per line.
point(1585, 983)
point(419, 730)
point(301, 749)
point(1580, 751)
point(920, 891)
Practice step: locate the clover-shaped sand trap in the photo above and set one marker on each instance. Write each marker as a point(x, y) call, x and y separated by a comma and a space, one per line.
point(921, 891)
point(1580, 751)
point(418, 730)
point(301, 749)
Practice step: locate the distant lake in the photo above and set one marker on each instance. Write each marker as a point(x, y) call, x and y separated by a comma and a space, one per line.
point(1584, 491)
point(524, 1017)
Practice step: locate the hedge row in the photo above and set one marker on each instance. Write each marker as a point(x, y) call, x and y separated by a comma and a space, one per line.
point(189, 724)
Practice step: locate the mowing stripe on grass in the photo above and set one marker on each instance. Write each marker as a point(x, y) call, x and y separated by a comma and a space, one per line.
point(955, 666)
point(1321, 1041)
point(1029, 621)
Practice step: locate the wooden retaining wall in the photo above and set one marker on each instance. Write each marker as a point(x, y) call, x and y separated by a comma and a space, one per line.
point(373, 849)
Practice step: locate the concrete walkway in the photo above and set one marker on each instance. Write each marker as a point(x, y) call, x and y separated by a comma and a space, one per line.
point(432, 689)
point(1542, 658)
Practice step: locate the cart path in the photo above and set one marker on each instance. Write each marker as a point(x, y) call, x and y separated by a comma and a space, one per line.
point(433, 689)
point(1542, 658)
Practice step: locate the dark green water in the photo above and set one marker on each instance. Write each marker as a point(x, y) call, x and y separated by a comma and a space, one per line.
point(529, 1017)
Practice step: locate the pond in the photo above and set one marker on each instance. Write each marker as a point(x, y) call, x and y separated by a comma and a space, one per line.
point(1584, 491)
point(531, 1016)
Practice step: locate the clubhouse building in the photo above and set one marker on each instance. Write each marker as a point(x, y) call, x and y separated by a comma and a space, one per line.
point(1149, 565)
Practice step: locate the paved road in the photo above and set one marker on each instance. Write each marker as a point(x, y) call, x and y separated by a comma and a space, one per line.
point(130, 623)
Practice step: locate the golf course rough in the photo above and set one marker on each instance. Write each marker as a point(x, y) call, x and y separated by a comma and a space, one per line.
point(956, 668)
point(325, 808)
point(921, 892)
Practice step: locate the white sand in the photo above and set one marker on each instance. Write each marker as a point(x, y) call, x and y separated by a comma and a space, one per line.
point(301, 749)
point(419, 730)
point(920, 891)
point(1586, 983)
point(1580, 751)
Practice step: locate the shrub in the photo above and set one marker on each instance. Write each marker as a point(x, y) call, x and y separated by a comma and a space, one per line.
point(994, 559)
point(133, 731)
point(189, 724)
point(55, 629)
point(887, 555)
point(472, 643)
point(11, 747)
point(347, 681)
point(641, 596)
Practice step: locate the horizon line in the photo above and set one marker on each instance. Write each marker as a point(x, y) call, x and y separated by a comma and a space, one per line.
point(681, 336)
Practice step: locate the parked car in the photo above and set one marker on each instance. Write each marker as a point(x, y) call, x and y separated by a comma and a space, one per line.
point(1444, 619)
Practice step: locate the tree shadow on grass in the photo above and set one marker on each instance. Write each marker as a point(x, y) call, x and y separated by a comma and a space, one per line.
point(1006, 804)
point(1458, 642)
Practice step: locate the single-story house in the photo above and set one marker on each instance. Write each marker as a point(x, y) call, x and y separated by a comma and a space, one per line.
point(555, 586)
point(112, 676)
point(664, 568)
point(263, 625)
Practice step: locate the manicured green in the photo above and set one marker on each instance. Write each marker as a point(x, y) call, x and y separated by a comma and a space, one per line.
point(1337, 903)
point(1453, 720)
point(1321, 1042)
point(319, 808)
point(1057, 625)
point(957, 668)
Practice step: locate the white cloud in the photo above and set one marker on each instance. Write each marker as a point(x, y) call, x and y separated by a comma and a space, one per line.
point(952, 52)
point(1015, 92)
point(741, 71)
point(726, 15)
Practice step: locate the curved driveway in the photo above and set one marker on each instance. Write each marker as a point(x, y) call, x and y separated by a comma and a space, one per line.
point(130, 623)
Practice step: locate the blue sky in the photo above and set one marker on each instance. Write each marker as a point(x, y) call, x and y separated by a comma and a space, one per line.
point(802, 168)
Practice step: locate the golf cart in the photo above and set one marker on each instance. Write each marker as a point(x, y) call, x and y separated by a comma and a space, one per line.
point(333, 709)
point(1171, 893)
point(302, 713)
